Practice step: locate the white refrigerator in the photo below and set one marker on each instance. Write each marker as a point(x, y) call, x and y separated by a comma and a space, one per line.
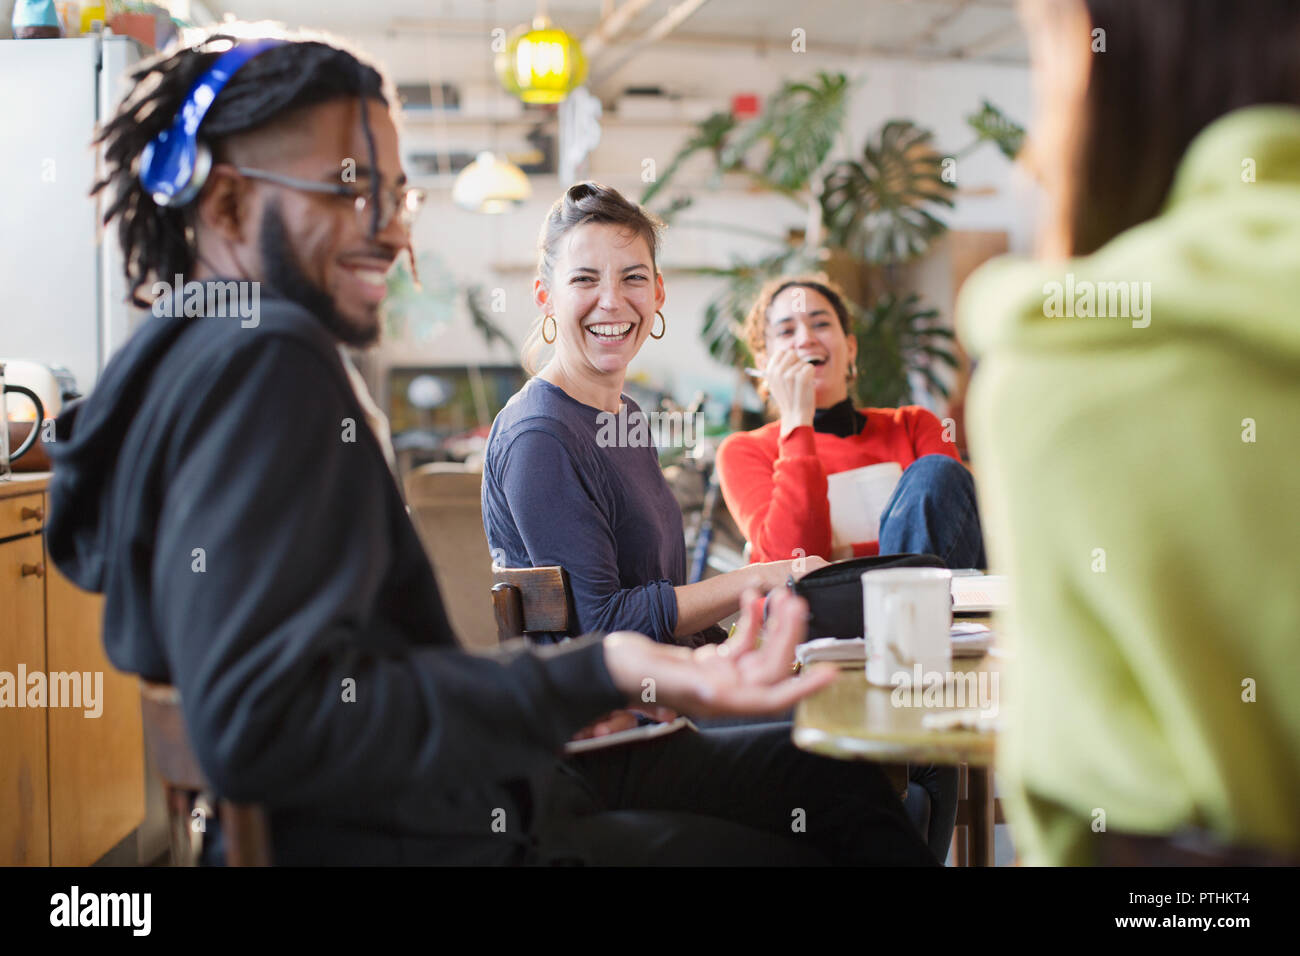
point(62, 291)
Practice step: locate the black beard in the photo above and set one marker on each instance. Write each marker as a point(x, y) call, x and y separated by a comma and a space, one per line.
point(288, 281)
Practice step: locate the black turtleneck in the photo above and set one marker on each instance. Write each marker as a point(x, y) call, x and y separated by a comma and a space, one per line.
point(841, 419)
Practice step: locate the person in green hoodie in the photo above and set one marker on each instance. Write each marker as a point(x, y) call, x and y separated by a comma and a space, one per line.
point(1134, 421)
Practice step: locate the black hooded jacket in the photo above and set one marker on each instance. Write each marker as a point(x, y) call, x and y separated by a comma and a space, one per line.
point(262, 563)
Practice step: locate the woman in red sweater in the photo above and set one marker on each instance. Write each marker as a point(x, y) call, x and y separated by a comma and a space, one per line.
point(775, 478)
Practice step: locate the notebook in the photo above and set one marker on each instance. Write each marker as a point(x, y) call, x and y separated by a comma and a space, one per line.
point(979, 593)
point(630, 736)
point(857, 497)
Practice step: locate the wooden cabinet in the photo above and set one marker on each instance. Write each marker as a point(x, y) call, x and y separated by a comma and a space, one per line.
point(25, 805)
point(71, 785)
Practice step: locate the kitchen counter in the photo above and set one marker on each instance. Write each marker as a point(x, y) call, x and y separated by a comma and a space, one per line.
point(72, 782)
point(25, 483)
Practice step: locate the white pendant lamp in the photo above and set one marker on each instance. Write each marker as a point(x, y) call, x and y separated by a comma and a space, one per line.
point(490, 185)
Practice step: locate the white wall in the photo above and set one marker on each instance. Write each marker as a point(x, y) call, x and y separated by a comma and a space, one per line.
point(937, 95)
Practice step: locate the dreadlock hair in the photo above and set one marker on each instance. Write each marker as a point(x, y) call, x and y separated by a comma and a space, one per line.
point(307, 69)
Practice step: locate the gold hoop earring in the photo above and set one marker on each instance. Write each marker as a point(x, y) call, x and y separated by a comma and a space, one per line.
point(662, 329)
point(555, 325)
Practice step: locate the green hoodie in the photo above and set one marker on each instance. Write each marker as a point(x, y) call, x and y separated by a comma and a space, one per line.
point(1140, 483)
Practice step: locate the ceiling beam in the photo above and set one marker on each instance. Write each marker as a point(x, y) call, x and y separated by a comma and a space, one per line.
point(761, 44)
point(675, 17)
point(612, 23)
point(407, 26)
point(997, 40)
point(927, 35)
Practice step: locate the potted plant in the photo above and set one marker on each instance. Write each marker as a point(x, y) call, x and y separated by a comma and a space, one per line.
point(132, 19)
point(867, 216)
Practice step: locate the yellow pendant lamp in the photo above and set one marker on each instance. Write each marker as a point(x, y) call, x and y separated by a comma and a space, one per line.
point(541, 63)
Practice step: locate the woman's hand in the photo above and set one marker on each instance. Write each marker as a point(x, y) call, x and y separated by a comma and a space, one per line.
point(739, 677)
point(792, 384)
point(777, 573)
point(798, 567)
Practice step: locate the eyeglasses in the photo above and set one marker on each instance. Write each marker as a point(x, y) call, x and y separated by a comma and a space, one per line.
point(404, 203)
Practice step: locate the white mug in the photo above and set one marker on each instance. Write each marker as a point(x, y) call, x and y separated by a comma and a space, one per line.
point(907, 618)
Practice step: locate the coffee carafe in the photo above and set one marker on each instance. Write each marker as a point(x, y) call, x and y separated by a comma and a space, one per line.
point(7, 456)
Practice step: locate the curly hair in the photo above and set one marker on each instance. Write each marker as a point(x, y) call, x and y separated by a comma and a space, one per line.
point(306, 70)
point(754, 331)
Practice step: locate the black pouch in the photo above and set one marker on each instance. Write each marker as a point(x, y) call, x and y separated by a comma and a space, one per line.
point(834, 593)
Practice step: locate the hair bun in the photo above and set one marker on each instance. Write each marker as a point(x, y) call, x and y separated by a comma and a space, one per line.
point(580, 191)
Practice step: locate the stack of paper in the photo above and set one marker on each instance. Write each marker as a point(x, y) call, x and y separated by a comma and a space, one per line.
point(968, 640)
point(978, 593)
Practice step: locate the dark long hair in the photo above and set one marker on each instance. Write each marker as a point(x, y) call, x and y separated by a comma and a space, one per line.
point(157, 242)
point(1170, 68)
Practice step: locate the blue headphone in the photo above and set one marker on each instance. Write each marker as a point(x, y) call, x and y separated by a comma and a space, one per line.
point(175, 165)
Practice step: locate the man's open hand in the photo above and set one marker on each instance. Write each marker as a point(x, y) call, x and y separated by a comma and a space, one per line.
point(740, 677)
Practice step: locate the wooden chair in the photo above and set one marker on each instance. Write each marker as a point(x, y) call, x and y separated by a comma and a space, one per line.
point(531, 601)
point(978, 812)
point(446, 508)
point(245, 828)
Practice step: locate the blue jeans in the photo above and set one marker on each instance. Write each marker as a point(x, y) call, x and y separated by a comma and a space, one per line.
point(933, 511)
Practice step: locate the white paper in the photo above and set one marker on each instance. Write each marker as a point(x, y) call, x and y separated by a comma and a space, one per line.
point(857, 497)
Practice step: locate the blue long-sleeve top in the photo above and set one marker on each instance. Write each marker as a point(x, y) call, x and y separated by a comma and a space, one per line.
point(553, 495)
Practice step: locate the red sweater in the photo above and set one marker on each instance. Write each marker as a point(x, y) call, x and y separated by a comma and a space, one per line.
point(776, 487)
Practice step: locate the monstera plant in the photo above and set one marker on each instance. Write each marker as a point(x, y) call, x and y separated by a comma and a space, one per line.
point(991, 125)
point(778, 151)
point(899, 338)
point(882, 206)
point(878, 210)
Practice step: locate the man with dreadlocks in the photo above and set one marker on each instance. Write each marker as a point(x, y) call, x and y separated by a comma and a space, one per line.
point(223, 490)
